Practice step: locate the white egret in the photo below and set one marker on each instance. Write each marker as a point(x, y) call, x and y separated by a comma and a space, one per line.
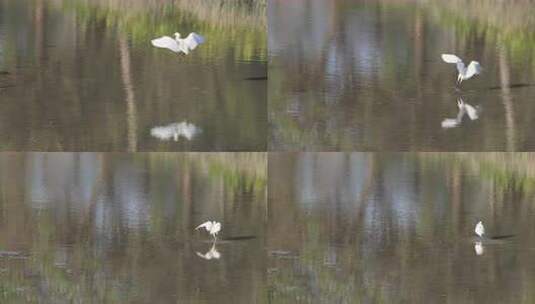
point(175, 131)
point(474, 68)
point(178, 44)
point(212, 227)
point(211, 254)
point(480, 229)
point(464, 108)
point(478, 248)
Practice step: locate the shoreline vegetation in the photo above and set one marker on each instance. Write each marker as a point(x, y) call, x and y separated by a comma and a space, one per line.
point(509, 23)
point(248, 168)
point(240, 22)
point(502, 167)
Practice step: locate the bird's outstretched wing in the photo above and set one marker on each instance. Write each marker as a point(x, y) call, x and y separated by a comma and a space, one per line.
point(205, 225)
point(450, 58)
point(193, 40)
point(166, 43)
point(163, 133)
point(474, 68)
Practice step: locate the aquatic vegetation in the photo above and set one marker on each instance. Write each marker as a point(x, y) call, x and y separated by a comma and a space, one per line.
point(234, 23)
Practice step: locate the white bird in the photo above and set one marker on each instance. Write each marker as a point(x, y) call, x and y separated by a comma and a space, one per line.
point(211, 254)
point(464, 108)
point(212, 227)
point(474, 68)
point(178, 44)
point(480, 230)
point(175, 131)
point(479, 249)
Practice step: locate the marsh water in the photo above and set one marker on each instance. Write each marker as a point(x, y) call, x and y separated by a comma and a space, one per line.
point(367, 75)
point(119, 228)
point(325, 228)
point(398, 228)
point(83, 76)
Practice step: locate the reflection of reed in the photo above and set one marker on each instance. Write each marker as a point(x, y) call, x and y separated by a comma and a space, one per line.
point(507, 101)
point(131, 115)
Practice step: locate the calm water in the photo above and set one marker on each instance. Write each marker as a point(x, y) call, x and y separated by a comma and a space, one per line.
point(82, 76)
point(398, 228)
point(370, 76)
point(118, 228)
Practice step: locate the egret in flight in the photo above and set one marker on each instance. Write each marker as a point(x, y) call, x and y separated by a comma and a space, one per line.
point(211, 254)
point(464, 108)
point(178, 44)
point(212, 227)
point(474, 68)
point(480, 229)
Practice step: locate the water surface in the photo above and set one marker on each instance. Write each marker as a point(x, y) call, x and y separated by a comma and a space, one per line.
point(119, 228)
point(398, 228)
point(82, 76)
point(367, 75)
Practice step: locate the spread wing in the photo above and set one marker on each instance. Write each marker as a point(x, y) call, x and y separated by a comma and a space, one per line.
point(193, 40)
point(474, 68)
point(187, 130)
point(449, 58)
point(162, 133)
point(205, 225)
point(166, 42)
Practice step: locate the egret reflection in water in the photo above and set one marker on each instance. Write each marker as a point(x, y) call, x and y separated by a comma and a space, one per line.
point(178, 44)
point(479, 248)
point(210, 254)
point(474, 68)
point(464, 108)
point(175, 131)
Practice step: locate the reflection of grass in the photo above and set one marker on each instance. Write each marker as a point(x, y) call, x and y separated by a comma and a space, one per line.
point(239, 25)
